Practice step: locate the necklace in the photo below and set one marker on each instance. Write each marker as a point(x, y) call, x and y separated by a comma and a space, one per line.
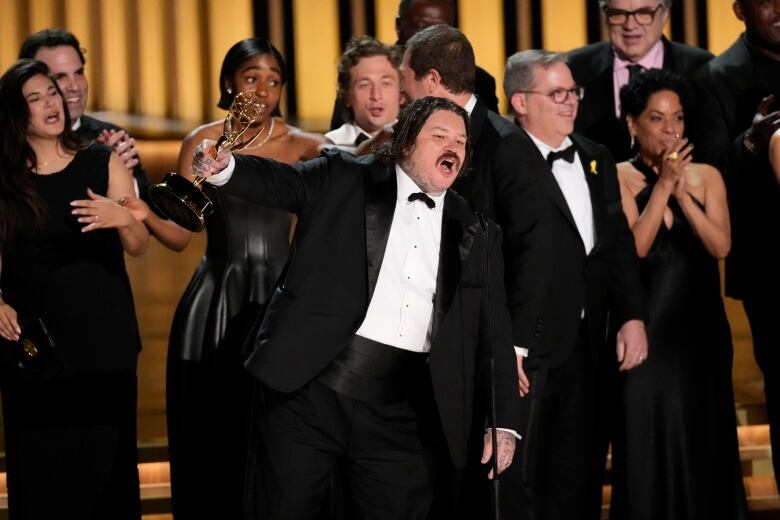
point(249, 146)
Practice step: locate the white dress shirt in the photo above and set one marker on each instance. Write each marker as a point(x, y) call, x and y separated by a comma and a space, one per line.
point(345, 137)
point(570, 177)
point(401, 309)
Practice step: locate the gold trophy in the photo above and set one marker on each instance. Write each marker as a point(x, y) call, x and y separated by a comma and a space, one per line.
point(181, 200)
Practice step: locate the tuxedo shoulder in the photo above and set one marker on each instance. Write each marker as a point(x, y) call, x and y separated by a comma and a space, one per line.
point(502, 125)
point(337, 155)
point(590, 146)
point(582, 56)
point(694, 53)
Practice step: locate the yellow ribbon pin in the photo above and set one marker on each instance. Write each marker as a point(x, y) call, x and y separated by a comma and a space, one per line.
point(593, 167)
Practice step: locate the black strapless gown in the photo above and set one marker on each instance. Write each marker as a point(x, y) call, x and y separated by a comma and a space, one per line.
point(675, 452)
point(208, 391)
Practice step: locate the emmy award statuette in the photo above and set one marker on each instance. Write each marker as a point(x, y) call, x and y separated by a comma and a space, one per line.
point(181, 200)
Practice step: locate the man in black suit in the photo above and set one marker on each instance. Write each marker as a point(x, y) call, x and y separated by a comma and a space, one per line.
point(414, 16)
point(439, 61)
point(61, 52)
point(739, 109)
point(377, 335)
point(595, 276)
point(636, 43)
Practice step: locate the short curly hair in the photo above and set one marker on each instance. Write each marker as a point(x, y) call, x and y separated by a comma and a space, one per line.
point(359, 47)
point(635, 94)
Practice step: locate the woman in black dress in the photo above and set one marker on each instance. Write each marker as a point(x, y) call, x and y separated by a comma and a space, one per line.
point(675, 455)
point(208, 391)
point(69, 429)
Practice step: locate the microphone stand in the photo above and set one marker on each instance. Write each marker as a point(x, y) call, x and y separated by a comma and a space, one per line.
point(495, 503)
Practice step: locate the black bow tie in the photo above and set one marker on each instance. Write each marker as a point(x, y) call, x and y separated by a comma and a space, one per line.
point(423, 197)
point(360, 138)
point(566, 154)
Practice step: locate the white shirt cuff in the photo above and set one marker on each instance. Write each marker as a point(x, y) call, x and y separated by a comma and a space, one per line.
point(222, 178)
point(521, 351)
point(519, 437)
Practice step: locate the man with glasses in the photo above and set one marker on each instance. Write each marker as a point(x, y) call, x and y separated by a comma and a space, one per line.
point(596, 274)
point(636, 43)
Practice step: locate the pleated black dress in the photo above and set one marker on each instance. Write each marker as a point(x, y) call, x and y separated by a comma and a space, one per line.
point(71, 437)
point(675, 452)
point(208, 391)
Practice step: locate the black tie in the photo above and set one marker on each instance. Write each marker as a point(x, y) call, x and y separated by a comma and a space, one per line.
point(423, 197)
point(566, 154)
point(360, 138)
point(633, 70)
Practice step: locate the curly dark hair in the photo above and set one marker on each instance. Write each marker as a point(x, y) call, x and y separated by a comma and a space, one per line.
point(411, 119)
point(19, 198)
point(635, 94)
point(357, 48)
point(446, 50)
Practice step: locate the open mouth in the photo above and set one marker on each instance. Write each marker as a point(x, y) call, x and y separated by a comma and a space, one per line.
point(52, 118)
point(448, 164)
point(376, 111)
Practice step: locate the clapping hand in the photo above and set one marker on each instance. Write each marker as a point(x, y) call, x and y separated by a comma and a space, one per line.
point(765, 123)
point(671, 167)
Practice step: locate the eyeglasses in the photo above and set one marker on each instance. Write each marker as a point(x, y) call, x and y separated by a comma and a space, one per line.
point(560, 95)
point(642, 16)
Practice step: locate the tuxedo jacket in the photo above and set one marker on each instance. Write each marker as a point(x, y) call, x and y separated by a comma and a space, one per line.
point(499, 185)
point(345, 208)
point(591, 67)
point(605, 282)
point(729, 90)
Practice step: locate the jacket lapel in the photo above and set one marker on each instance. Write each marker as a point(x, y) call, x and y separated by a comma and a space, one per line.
point(458, 231)
point(381, 192)
point(539, 163)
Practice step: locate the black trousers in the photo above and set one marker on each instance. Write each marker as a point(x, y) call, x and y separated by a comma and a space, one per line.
point(557, 482)
point(386, 455)
point(763, 311)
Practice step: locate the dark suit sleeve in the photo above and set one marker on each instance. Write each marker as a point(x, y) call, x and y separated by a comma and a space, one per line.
point(278, 185)
point(485, 89)
point(519, 209)
point(626, 295)
point(495, 318)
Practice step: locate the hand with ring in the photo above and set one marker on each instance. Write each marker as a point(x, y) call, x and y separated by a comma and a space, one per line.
point(100, 212)
point(673, 161)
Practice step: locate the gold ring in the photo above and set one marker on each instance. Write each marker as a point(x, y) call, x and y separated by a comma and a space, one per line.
point(97, 219)
point(672, 156)
point(122, 201)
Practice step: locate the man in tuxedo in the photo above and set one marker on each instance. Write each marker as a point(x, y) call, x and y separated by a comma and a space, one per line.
point(439, 61)
point(415, 15)
point(377, 335)
point(636, 43)
point(369, 90)
point(595, 276)
point(739, 109)
point(61, 52)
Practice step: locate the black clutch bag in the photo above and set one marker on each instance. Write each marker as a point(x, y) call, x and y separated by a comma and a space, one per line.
point(35, 354)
